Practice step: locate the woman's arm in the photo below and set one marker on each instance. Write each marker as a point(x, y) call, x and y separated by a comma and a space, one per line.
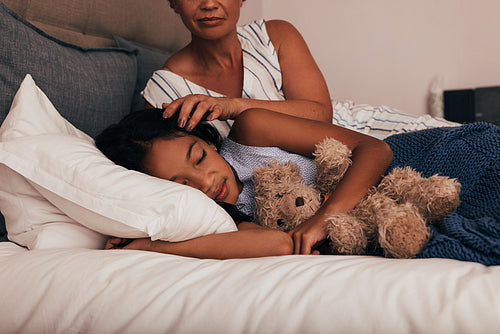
point(370, 159)
point(304, 86)
point(250, 240)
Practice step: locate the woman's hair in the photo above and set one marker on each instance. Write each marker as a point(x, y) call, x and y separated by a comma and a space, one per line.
point(128, 142)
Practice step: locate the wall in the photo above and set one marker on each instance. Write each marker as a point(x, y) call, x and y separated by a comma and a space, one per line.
point(389, 51)
point(251, 11)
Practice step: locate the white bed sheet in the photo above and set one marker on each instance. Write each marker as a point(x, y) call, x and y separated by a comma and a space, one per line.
point(97, 291)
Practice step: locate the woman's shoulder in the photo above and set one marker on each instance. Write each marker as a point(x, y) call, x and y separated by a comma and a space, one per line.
point(177, 62)
point(280, 30)
point(277, 25)
point(275, 30)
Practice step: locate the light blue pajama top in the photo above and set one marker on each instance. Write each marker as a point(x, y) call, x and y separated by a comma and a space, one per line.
point(244, 159)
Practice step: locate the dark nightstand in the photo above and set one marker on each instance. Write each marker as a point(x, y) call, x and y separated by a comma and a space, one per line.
point(473, 105)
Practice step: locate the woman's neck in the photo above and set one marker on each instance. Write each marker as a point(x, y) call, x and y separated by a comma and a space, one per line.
point(221, 55)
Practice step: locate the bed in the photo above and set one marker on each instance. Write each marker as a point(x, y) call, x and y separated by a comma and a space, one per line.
point(82, 71)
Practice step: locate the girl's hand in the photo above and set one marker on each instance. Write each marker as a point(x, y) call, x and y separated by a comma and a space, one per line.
point(309, 234)
point(193, 108)
point(122, 243)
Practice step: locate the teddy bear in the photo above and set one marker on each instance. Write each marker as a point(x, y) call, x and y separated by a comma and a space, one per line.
point(393, 216)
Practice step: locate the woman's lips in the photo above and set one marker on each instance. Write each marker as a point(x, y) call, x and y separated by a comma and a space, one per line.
point(211, 21)
point(222, 192)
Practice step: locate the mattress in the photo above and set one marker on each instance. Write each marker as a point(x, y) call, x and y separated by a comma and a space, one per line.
point(122, 291)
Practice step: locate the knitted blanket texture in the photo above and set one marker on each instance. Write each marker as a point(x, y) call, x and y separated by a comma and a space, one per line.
point(470, 153)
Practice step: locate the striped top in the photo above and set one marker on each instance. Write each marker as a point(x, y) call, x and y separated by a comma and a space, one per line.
point(261, 74)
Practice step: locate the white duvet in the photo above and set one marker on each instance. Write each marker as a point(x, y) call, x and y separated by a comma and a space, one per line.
point(97, 291)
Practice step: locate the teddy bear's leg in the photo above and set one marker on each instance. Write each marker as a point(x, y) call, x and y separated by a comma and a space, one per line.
point(440, 197)
point(332, 159)
point(396, 228)
point(435, 197)
point(402, 232)
point(346, 234)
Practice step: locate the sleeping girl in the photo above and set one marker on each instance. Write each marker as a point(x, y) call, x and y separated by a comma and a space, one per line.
point(146, 141)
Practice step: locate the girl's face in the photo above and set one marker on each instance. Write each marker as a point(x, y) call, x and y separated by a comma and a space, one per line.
point(209, 19)
point(191, 161)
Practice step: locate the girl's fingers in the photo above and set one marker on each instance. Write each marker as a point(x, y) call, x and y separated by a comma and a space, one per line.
point(113, 243)
point(296, 244)
point(305, 248)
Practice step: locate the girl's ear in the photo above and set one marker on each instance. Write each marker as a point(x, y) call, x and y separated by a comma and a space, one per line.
point(213, 146)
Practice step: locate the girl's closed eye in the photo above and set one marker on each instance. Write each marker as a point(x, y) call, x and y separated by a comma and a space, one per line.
point(203, 155)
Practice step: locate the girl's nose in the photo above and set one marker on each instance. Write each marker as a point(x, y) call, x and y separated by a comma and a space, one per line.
point(202, 181)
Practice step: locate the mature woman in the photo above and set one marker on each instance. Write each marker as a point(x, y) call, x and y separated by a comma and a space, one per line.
point(226, 69)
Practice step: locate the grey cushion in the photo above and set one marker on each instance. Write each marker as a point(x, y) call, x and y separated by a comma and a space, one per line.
point(148, 60)
point(91, 88)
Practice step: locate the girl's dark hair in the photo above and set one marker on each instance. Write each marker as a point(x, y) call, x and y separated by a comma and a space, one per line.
point(128, 142)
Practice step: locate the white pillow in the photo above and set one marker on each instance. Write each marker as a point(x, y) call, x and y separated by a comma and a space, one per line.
point(62, 164)
point(31, 220)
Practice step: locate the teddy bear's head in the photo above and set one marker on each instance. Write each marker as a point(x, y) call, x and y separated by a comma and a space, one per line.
point(282, 198)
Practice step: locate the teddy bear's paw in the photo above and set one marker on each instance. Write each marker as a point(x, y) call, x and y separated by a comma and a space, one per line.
point(332, 159)
point(402, 231)
point(346, 234)
point(440, 197)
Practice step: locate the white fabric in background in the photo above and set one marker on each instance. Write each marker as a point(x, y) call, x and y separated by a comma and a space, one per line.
point(381, 121)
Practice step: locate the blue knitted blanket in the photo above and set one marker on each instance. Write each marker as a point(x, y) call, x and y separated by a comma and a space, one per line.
point(470, 153)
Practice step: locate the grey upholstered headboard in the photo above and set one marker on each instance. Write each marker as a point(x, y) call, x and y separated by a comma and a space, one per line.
point(91, 23)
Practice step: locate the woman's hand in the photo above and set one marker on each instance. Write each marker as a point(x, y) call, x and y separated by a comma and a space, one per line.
point(309, 234)
point(193, 108)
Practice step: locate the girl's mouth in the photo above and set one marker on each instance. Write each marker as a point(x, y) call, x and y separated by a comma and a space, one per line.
point(222, 192)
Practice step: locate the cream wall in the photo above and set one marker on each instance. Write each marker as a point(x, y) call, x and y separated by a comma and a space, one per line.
point(251, 11)
point(389, 51)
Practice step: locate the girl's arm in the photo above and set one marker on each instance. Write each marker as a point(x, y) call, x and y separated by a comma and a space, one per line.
point(250, 240)
point(303, 84)
point(370, 159)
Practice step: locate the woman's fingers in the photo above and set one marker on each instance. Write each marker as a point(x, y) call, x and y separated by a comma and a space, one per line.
point(200, 111)
point(186, 111)
point(172, 108)
point(194, 108)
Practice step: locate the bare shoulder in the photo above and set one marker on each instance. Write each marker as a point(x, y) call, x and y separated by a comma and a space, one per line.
point(178, 62)
point(280, 30)
point(280, 27)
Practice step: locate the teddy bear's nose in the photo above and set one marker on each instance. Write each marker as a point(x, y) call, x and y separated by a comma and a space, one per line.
point(299, 201)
